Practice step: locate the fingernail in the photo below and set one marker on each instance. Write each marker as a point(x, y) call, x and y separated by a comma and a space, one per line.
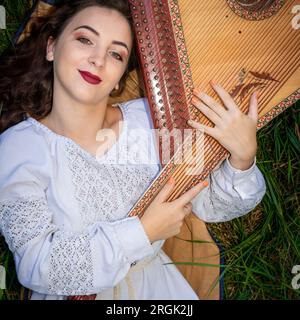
point(256, 94)
point(205, 183)
point(171, 180)
point(198, 90)
point(214, 82)
point(194, 101)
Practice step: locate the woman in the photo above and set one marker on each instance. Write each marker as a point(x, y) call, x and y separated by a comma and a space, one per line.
point(65, 194)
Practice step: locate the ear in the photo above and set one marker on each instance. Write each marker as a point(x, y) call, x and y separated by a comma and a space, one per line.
point(50, 49)
point(117, 87)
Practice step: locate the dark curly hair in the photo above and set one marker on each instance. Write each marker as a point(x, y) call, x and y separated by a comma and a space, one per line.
point(27, 77)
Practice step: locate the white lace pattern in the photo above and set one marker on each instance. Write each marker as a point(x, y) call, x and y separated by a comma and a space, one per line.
point(71, 265)
point(22, 220)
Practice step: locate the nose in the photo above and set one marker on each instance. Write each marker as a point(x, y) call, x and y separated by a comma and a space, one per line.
point(98, 59)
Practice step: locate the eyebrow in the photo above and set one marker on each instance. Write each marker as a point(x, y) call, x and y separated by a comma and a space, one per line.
point(120, 43)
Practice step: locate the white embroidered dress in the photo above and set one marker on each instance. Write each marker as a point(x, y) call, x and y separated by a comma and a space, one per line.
point(63, 211)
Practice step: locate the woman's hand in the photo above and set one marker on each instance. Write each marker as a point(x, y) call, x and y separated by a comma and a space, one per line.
point(233, 129)
point(163, 219)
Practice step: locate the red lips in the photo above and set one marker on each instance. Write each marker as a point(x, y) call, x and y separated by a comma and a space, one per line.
point(89, 77)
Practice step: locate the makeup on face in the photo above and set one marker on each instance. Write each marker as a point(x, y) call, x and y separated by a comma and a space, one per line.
point(121, 56)
point(90, 78)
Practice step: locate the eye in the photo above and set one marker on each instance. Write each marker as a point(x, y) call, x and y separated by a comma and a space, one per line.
point(117, 56)
point(84, 40)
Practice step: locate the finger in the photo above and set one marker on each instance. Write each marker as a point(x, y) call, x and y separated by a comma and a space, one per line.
point(225, 97)
point(190, 194)
point(209, 130)
point(209, 112)
point(166, 191)
point(210, 102)
point(253, 108)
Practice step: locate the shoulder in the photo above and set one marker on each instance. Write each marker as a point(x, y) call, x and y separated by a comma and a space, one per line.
point(25, 163)
point(138, 111)
point(22, 141)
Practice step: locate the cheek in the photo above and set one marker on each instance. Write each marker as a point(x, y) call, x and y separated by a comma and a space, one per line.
point(67, 63)
point(68, 54)
point(65, 70)
point(116, 70)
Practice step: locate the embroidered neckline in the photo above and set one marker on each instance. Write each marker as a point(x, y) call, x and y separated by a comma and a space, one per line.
point(123, 108)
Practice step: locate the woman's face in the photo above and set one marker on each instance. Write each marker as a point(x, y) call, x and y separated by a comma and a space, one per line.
point(96, 40)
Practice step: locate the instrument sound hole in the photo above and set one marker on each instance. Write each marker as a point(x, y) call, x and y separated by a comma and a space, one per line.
point(255, 9)
point(255, 5)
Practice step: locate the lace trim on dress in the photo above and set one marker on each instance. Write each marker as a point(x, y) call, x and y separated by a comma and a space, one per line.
point(71, 263)
point(71, 267)
point(23, 219)
point(228, 209)
point(106, 191)
point(95, 192)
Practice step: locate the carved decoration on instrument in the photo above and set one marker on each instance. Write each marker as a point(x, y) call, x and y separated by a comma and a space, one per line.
point(257, 81)
point(255, 9)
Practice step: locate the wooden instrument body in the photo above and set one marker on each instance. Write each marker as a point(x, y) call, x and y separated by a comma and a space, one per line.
point(183, 44)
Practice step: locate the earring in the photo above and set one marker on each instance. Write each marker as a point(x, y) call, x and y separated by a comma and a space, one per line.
point(117, 87)
point(49, 56)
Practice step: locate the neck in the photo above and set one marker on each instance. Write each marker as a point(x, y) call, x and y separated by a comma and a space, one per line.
point(77, 121)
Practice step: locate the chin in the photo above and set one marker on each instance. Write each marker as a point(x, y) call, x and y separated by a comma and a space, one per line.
point(86, 98)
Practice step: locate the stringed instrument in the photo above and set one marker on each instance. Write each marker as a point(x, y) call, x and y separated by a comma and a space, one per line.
point(247, 45)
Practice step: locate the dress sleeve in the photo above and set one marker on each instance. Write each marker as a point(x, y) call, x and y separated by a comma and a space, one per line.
point(231, 193)
point(49, 259)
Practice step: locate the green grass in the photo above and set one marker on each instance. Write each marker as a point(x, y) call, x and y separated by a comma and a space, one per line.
point(263, 246)
point(260, 248)
point(15, 13)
